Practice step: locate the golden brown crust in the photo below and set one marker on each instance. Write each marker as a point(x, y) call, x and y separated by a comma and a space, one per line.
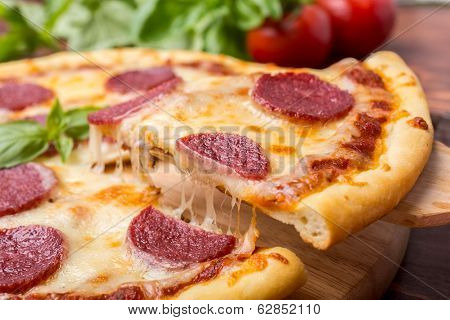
point(271, 279)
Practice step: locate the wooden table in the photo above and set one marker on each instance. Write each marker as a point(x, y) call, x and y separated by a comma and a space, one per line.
point(422, 38)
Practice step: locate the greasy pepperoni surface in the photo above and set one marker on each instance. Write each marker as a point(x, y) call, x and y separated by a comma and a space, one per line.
point(173, 243)
point(28, 255)
point(24, 187)
point(226, 151)
point(139, 80)
point(366, 77)
point(17, 96)
point(116, 113)
point(301, 97)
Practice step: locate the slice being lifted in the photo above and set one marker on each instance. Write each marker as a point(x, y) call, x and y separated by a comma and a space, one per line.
point(328, 151)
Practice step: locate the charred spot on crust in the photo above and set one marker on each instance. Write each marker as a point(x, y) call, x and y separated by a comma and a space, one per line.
point(418, 122)
point(279, 257)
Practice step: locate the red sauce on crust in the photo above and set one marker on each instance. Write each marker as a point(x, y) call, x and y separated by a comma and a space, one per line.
point(330, 163)
point(366, 77)
point(370, 130)
point(418, 122)
point(381, 104)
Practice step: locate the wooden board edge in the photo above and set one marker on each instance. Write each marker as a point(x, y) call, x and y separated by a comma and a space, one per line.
point(428, 203)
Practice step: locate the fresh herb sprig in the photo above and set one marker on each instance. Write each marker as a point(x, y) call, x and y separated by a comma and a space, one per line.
point(25, 140)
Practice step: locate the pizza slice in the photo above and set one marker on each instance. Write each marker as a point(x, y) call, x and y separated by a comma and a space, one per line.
point(328, 151)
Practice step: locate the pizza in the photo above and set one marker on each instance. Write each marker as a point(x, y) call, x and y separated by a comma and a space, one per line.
point(327, 151)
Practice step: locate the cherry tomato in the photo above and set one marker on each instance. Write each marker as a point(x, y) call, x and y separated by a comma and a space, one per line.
point(359, 26)
point(300, 39)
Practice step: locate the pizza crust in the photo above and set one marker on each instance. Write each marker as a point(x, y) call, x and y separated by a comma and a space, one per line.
point(276, 281)
point(125, 57)
point(326, 217)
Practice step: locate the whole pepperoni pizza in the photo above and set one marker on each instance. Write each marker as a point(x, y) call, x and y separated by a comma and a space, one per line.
point(327, 151)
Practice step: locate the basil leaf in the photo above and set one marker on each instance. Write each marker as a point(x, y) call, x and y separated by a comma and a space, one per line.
point(77, 126)
point(54, 9)
point(248, 14)
point(12, 46)
point(20, 142)
point(55, 121)
point(211, 25)
point(96, 24)
point(24, 34)
point(64, 145)
point(225, 39)
point(162, 24)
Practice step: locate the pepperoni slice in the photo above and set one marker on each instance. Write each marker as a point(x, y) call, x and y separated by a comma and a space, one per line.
point(18, 96)
point(28, 255)
point(173, 243)
point(220, 153)
point(301, 97)
point(116, 113)
point(141, 80)
point(24, 187)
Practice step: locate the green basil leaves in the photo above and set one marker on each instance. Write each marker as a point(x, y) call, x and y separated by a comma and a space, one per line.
point(22, 141)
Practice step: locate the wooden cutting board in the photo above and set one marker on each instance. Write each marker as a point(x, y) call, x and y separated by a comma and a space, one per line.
point(428, 203)
point(362, 266)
